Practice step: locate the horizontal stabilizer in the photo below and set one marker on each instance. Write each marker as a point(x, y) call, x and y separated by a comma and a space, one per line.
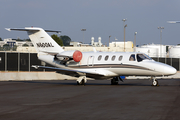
point(31, 29)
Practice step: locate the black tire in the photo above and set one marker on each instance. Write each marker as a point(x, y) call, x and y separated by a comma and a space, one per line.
point(78, 83)
point(81, 83)
point(155, 83)
point(114, 82)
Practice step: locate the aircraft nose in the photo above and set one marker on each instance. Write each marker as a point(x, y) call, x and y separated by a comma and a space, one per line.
point(168, 70)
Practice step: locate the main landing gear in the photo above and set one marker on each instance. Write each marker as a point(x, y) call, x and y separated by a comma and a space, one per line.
point(81, 80)
point(154, 81)
point(115, 80)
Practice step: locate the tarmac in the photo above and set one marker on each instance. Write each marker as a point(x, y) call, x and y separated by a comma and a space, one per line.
point(23, 76)
point(97, 100)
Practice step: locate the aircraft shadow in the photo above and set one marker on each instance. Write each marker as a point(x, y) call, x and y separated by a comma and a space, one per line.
point(99, 83)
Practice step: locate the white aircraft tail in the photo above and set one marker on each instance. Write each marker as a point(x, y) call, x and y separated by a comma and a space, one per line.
point(41, 40)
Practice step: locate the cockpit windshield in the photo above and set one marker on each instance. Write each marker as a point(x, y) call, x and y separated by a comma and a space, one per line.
point(141, 57)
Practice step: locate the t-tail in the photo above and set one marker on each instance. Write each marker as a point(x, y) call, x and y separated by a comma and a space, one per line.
point(43, 43)
point(41, 40)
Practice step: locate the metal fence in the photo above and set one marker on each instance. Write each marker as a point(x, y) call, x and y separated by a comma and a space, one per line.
point(17, 61)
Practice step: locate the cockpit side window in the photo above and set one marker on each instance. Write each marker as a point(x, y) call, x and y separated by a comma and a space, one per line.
point(132, 57)
point(141, 57)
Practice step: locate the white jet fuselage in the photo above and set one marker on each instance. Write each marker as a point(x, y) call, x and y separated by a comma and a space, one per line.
point(114, 64)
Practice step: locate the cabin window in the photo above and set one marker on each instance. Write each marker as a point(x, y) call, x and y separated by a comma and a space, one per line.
point(99, 58)
point(113, 57)
point(106, 58)
point(132, 57)
point(120, 58)
point(141, 57)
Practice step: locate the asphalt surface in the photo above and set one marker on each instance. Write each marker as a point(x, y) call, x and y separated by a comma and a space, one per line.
point(97, 100)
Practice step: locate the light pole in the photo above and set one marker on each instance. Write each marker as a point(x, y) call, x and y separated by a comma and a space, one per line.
point(124, 36)
point(83, 33)
point(135, 33)
point(124, 30)
point(124, 21)
point(109, 40)
point(161, 40)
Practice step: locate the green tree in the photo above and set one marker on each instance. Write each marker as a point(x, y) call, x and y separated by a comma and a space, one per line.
point(6, 45)
point(66, 40)
point(14, 48)
point(1, 39)
point(25, 45)
point(57, 39)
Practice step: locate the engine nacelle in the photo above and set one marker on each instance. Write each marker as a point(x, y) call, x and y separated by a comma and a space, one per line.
point(77, 56)
point(69, 55)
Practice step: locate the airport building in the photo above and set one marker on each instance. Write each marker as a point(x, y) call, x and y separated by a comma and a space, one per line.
point(153, 50)
point(157, 50)
point(174, 51)
point(12, 42)
point(113, 47)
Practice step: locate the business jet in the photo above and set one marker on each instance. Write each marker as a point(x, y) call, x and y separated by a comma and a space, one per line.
point(97, 65)
point(173, 21)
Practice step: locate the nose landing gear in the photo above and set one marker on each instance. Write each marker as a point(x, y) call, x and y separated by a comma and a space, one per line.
point(154, 81)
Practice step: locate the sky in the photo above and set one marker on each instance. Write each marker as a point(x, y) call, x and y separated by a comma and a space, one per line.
point(100, 18)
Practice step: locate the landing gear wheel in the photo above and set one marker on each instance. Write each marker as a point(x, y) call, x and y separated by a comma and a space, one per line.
point(114, 81)
point(155, 83)
point(81, 83)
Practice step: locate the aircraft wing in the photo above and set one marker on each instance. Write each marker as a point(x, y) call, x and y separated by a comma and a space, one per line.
point(74, 73)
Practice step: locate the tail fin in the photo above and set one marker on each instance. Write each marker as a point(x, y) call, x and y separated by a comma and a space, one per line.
point(41, 40)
